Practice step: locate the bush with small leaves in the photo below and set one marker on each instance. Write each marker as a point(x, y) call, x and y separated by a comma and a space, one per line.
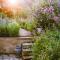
point(13, 29)
point(47, 46)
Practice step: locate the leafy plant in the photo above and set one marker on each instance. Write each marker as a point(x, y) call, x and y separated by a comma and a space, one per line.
point(3, 28)
point(30, 26)
point(13, 29)
point(47, 46)
point(8, 29)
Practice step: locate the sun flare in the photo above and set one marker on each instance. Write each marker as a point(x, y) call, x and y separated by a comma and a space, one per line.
point(12, 2)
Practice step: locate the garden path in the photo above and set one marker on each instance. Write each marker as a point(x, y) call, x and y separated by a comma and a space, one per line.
point(6, 57)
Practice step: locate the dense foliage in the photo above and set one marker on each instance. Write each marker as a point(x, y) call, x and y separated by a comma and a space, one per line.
point(13, 29)
point(9, 28)
point(47, 46)
point(28, 25)
point(47, 15)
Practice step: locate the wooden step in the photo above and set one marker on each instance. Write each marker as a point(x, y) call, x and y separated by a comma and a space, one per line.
point(24, 44)
point(27, 48)
point(27, 57)
point(24, 50)
point(27, 45)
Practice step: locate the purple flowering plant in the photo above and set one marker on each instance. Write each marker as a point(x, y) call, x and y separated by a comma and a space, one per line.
point(46, 14)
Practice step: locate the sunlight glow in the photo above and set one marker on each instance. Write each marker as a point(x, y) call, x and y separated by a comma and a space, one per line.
point(21, 1)
point(12, 2)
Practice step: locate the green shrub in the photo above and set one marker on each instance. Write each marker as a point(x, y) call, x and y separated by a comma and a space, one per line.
point(13, 29)
point(47, 46)
point(8, 29)
point(3, 28)
point(30, 26)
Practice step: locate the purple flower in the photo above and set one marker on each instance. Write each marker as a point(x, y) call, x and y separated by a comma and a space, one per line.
point(51, 9)
point(46, 10)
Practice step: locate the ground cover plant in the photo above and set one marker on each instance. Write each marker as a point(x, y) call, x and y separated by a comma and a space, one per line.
point(47, 46)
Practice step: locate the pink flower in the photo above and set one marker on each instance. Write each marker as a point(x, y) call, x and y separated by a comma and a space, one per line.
point(50, 1)
point(56, 19)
